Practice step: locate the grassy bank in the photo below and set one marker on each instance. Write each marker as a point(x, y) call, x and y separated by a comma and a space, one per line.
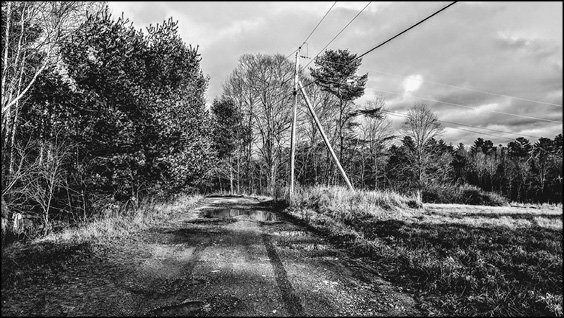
point(457, 259)
point(113, 226)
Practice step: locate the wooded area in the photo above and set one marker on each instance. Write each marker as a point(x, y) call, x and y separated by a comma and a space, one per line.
point(97, 115)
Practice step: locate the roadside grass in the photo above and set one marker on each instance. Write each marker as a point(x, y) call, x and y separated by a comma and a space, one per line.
point(457, 259)
point(25, 263)
point(114, 225)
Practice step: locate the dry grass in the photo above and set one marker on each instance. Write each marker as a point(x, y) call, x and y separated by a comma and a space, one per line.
point(342, 204)
point(462, 260)
point(114, 226)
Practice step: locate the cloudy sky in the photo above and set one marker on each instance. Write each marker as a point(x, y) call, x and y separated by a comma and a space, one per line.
point(487, 69)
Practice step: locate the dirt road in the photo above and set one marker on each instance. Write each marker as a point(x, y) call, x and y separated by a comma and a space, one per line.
point(231, 256)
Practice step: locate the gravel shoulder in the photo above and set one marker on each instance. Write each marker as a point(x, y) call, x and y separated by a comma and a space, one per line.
point(230, 256)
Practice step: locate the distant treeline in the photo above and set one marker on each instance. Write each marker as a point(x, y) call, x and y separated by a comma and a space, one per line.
point(97, 115)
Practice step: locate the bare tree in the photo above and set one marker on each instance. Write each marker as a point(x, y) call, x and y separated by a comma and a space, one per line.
point(422, 125)
point(376, 133)
point(261, 85)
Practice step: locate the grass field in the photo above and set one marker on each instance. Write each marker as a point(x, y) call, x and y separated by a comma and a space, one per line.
point(457, 259)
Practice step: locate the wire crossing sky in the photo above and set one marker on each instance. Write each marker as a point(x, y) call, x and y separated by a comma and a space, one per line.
point(494, 58)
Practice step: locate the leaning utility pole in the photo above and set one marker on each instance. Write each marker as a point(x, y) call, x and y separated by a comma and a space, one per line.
point(325, 137)
point(293, 137)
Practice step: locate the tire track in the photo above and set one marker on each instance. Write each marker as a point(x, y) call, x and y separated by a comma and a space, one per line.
point(291, 300)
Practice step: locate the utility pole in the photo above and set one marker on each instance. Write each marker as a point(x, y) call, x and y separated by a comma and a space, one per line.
point(325, 137)
point(293, 137)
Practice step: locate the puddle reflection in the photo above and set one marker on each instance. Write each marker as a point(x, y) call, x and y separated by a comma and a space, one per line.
point(258, 215)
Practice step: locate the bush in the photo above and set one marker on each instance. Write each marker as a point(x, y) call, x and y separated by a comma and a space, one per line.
point(463, 194)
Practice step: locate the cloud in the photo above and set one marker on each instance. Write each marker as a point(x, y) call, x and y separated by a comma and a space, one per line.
point(411, 83)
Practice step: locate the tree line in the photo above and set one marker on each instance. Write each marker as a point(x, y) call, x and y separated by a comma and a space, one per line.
point(413, 159)
point(97, 115)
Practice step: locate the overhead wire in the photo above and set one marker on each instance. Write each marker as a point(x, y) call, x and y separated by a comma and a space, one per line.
point(318, 24)
point(470, 107)
point(478, 132)
point(477, 127)
point(452, 86)
point(388, 40)
point(535, 145)
point(489, 129)
point(468, 89)
point(402, 32)
point(312, 31)
point(454, 104)
point(338, 34)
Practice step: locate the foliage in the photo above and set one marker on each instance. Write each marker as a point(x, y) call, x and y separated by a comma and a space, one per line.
point(335, 73)
point(227, 128)
point(126, 109)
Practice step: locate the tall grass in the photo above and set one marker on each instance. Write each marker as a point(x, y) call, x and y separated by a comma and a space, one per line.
point(342, 204)
point(458, 260)
point(117, 224)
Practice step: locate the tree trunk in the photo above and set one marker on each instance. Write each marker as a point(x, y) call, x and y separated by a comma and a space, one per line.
point(230, 177)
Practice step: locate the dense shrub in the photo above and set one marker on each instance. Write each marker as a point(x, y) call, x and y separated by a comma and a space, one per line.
point(463, 194)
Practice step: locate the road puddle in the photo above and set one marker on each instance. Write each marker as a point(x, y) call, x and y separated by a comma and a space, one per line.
point(258, 215)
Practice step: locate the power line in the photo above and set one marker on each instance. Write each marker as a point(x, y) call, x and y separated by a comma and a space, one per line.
point(404, 115)
point(478, 132)
point(464, 88)
point(312, 31)
point(494, 130)
point(318, 24)
point(459, 105)
point(468, 89)
point(411, 27)
point(338, 34)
